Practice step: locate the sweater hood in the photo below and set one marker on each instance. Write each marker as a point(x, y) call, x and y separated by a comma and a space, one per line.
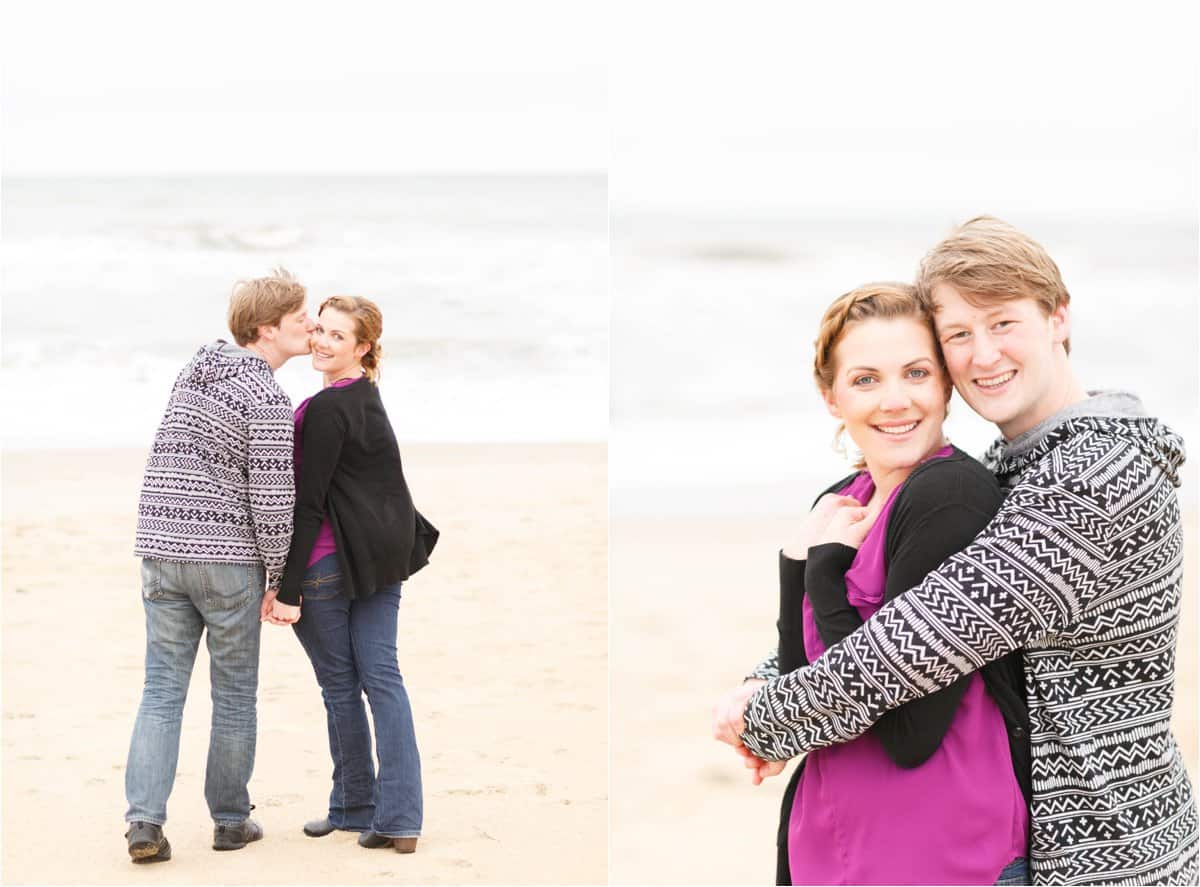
point(222, 360)
point(1111, 413)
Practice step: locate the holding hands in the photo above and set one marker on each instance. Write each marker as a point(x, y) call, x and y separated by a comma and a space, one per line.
point(834, 519)
point(276, 612)
point(727, 713)
point(728, 725)
point(760, 769)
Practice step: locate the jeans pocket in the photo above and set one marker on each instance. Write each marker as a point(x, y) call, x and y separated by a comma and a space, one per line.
point(151, 579)
point(323, 580)
point(321, 588)
point(231, 586)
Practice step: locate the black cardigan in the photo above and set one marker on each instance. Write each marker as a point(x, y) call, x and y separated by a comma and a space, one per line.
point(351, 472)
point(940, 509)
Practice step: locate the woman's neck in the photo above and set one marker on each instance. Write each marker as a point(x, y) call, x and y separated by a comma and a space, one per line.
point(887, 479)
point(352, 372)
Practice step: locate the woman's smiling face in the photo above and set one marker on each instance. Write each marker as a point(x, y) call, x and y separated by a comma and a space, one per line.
point(335, 347)
point(890, 391)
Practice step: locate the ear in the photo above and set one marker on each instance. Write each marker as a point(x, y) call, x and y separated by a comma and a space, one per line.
point(831, 403)
point(266, 333)
point(1060, 324)
point(361, 349)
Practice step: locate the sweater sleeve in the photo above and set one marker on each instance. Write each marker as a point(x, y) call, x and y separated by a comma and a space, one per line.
point(324, 433)
point(269, 475)
point(789, 654)
point(911, 733)
point(791, 614)
point(766, 669)
point(1032, 571)
point(825, 585)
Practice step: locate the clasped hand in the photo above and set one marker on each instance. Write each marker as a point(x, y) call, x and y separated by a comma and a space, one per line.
point(833, 519)
point(277, 612)
point(729, 723)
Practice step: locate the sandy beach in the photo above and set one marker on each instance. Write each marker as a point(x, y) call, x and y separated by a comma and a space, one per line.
point(503, 647)
point(693, 608)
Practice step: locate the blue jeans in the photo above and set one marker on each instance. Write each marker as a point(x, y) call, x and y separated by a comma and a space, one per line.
point(182, 601)
point(352, 647)
point(1016, 872)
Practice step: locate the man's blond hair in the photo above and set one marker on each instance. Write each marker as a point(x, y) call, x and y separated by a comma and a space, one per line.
point(987, 261)
point(263, 301)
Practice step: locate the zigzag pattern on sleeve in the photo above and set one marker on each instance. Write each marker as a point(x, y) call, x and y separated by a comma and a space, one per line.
point(767, 669)
point(1082, 567)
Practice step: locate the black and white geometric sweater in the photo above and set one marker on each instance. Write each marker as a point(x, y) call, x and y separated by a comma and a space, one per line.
point(219, 482)
point(1082, 568)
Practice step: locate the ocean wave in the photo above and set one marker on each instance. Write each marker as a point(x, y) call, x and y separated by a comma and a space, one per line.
point(254, 238)
point(741, 253)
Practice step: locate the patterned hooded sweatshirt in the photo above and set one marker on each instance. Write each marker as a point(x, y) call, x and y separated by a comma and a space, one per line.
point(1082, 568)
point(219, 484)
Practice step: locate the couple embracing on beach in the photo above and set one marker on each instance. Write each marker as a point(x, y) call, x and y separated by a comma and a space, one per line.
point(977, 661)
point(252, 513)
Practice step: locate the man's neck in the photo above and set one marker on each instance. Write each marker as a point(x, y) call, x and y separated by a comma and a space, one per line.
point(1067, 392)
point(268, 353)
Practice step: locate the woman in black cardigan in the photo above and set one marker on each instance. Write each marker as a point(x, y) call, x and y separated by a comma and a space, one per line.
point(937, 792)
point(356, 537)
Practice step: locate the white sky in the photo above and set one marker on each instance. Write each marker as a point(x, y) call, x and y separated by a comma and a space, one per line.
point(132, 87)
point(946, 107)
point(952, 107)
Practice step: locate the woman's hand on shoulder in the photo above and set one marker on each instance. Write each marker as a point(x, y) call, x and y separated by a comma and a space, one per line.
point(850, 524)
point(815, 524)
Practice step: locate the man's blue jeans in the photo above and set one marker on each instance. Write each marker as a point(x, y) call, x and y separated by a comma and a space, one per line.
point(352, 647)
point(182, 601)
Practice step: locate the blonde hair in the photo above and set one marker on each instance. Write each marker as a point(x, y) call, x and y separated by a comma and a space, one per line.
point(988, 260)
point(885, 301)
point(263, 301)
point(368, 327)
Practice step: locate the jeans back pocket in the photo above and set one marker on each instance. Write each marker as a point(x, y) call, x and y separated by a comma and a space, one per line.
point(151, 579)
point(231, 586)
point(321, 587)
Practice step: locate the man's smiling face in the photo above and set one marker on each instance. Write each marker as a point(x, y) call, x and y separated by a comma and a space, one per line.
point(1001, 356)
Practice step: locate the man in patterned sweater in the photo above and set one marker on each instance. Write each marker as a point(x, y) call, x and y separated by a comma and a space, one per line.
point(214, 526)
point(1081, 568)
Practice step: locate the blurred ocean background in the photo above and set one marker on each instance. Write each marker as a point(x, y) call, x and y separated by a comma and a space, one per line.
point(713, 405)
point(493, 289)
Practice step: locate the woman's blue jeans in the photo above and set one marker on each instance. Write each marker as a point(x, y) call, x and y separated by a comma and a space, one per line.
point(352, 647)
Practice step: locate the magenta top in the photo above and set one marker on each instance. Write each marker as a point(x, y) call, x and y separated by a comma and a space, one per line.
point(858, 818)
point(325, 544)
